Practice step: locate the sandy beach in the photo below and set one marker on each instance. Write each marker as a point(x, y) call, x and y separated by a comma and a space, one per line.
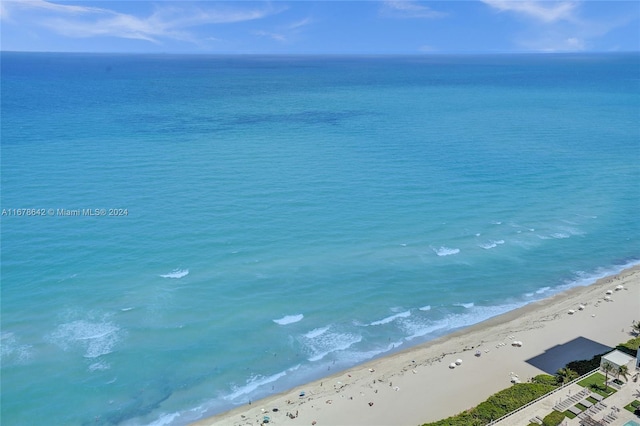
point(418, 385)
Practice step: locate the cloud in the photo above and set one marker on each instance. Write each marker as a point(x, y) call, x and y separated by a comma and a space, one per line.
point(555, 43)
point(301, 23)
point(539, 10)
point(34, 5)
point(273, 36)
point(285, 33)
point(409, 9)
point(565, 26)
point(170, 21)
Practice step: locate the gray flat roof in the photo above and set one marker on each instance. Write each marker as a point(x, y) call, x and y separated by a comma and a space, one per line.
point(618, 358)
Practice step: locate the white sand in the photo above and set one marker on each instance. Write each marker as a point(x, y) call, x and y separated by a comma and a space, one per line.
point(417, 385)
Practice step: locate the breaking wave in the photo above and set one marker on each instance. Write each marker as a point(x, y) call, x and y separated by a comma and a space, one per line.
point(289, 319)
point(176, 273)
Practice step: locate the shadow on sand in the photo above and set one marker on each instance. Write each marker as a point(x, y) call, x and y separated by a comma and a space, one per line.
point(556, 357)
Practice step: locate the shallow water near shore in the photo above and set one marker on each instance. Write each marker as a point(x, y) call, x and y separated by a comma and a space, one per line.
point(289, 217)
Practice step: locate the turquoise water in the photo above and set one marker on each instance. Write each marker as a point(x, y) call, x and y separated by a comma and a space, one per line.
point(269, 220)
point(631, 423)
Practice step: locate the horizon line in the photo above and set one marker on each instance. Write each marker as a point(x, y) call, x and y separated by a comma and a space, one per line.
point(424, 54)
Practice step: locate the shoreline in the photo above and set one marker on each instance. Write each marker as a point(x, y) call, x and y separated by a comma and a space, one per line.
point(416, 385)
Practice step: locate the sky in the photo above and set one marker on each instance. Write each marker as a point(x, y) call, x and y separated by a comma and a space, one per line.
point(320, 27)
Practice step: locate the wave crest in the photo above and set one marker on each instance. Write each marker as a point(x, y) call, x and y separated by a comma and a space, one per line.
point(446, 251)
point(176, 273)
point(392, 318)
point(289, 319)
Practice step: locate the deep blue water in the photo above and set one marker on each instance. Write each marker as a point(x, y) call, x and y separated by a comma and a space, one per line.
point(283, 215)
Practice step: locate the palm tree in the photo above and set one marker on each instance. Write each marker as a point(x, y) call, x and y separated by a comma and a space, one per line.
point(607, 367)
point(565, 375)
point(623, 371)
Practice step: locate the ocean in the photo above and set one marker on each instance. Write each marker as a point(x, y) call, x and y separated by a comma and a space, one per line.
point(185, 234)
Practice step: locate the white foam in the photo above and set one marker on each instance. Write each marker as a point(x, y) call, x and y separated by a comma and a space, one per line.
point(335, 342)
point(586, 278)
point(392, 318)
point(560, 235)
point(419, 329)
point(176, 273)
point(543, 290)
point(321, 342)
point(289, 319)
point(254, 383)
point(422, 327)
point(491, 244)
point(316, 332)
point(94, 338)
point(165, 419)
point(11, 349)
point(426, 308)
point(465, 305)
point(487, 246)
point(446, 251)
point(99, 366)
point(358, 357)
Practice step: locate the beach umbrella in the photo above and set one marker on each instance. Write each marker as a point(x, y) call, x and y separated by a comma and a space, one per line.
point(458, 361)
point(452, 365)
point(619, 287)
point(607, 298)
point(609, 292)
point(581, 307)
point(571, 312)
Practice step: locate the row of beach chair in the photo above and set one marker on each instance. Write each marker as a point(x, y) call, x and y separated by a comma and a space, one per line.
point(609, 418)
point(572, 400)
point(586, 417)
point(536, 419)
point(594, 409)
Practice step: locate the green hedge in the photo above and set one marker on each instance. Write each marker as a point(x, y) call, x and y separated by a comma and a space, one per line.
point(545, 379)
point(497, 405)
point(553, 419)
point(584, 366)
point(630, 347)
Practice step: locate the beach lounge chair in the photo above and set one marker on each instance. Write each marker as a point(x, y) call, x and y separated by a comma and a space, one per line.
point(575, 410)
